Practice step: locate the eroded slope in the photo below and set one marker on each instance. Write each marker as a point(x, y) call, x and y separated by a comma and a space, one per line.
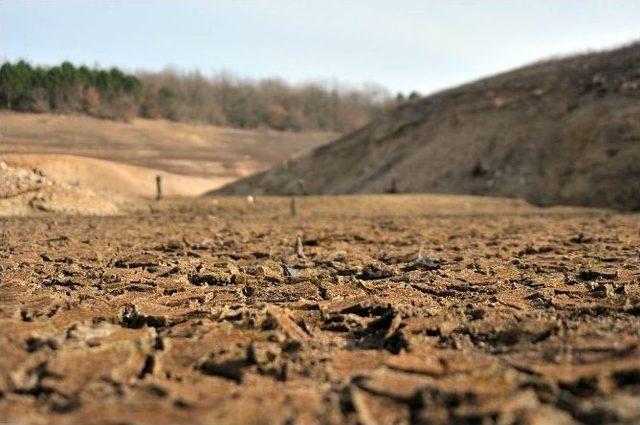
point(560, 132)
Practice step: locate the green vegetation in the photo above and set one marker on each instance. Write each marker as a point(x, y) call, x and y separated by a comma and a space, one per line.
point(220, 100)
point(67, 89)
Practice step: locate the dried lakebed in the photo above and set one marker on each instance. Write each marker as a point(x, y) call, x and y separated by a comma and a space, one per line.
point(247, 318)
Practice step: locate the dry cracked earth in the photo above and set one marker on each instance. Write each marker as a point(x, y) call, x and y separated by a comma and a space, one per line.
point(248, 316)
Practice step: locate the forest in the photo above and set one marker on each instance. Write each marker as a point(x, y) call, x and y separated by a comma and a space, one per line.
point(223, 99)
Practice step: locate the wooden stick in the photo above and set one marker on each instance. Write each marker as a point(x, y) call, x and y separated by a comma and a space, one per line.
point(158, 187)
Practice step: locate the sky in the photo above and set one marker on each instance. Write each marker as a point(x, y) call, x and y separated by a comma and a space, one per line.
point(404, 45)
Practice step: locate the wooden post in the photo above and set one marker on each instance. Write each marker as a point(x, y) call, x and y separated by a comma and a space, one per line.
point(158, 187)
point(294, 206)
point(301, 187)
point(394, 186)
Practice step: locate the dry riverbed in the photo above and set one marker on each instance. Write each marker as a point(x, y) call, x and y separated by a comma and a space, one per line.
point(358, 310)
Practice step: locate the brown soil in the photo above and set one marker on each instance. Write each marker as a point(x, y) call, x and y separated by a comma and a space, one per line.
point(114, 180)
point(562, 132)
point(177, 148)
point(27, 190)
point(82, 165)
point(369, 310)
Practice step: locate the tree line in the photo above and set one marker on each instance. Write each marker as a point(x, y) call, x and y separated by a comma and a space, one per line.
point(223, 99)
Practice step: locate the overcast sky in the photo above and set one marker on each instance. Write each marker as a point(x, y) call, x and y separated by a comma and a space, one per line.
point(402, 44)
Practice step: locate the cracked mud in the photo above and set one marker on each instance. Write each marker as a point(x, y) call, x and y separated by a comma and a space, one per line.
point(249, 316)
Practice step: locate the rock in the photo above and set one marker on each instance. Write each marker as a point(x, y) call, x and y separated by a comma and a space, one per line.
point(376, 271)
point(280, 319)
point(137, 260)
point(596, 274)
point(225, 366)
point(216, 275)
point(17, 180)
point(375, 410)
point(424, 263)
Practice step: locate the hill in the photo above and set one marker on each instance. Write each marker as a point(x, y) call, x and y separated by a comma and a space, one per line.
point(78, 185)
point(563, 131)
point(83, 165)
point(191, 149)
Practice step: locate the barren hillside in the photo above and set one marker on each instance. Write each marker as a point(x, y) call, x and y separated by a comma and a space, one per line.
point(95, 166)
point(190, 149)
point(564, 131)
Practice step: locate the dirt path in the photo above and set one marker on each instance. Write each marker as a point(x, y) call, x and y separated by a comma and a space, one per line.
point(386, 310)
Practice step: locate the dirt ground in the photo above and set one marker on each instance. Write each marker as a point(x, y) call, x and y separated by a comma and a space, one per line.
point(195, 150)
point(94, 166)
point(367, 309)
